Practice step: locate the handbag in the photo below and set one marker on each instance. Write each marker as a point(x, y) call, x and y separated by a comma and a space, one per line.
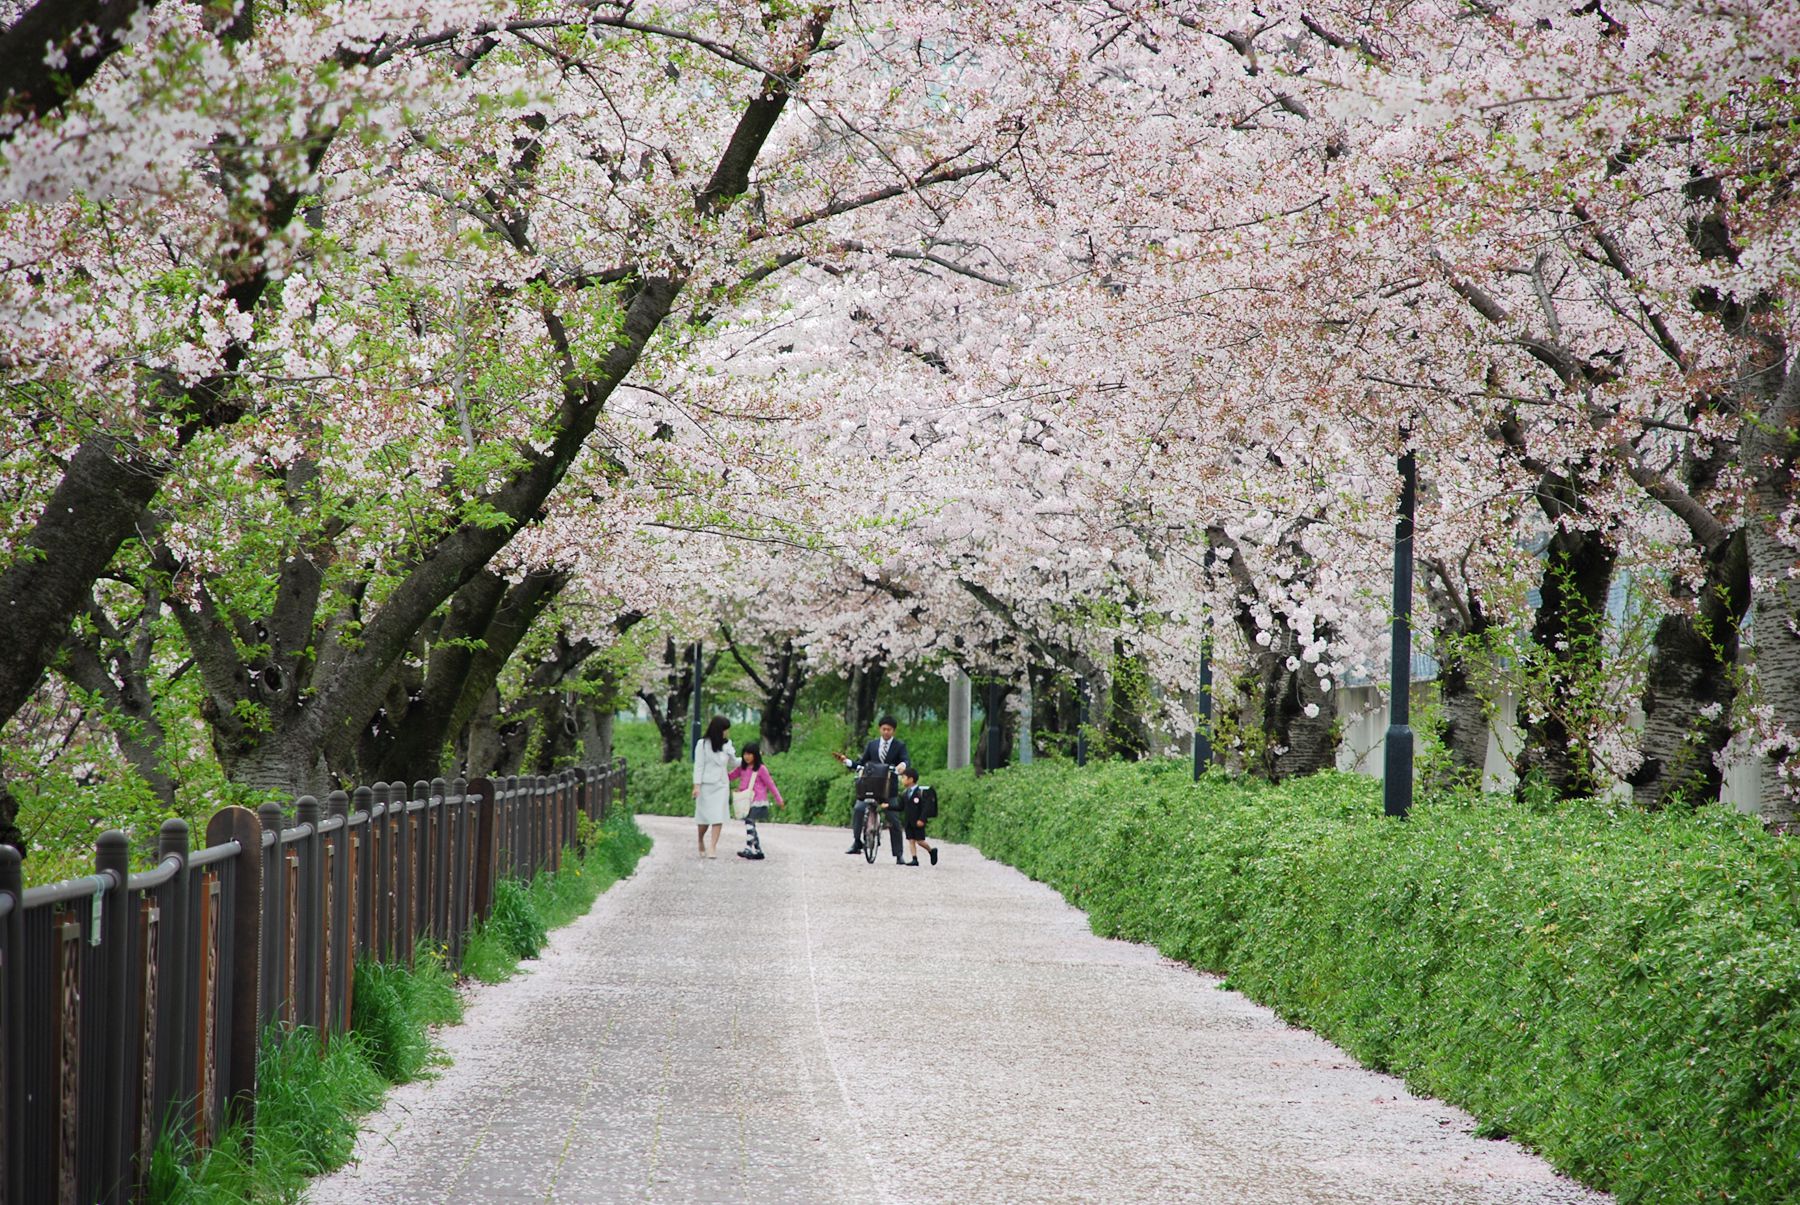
point(741, 801)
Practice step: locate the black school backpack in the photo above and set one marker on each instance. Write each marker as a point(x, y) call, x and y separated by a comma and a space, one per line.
point(928, 803)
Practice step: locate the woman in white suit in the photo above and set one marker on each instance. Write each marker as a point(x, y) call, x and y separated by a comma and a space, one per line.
point(713, 759)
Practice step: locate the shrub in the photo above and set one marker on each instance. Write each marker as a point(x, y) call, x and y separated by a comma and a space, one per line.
point(661, 788)
point(515, 920)
point(1619, 990)
point(392, 1008)
point(804, 778)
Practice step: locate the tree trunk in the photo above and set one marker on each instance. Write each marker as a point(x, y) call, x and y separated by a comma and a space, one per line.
point(1692, 684)
point(1003, 717)
point(597, 735)
point(482, 746)
point(1764, 392)
point(288, 763)
point(487, 621)
point(786, 675)
point(669, 710)
point(1293, 742)
point(1126, 734)
point(1464, 668)
point(1048, 706)
point(1771, 452)
point(1567, 633)
point(859, 705)
point(93, 510)
point(1466, 725)
point(778, 680)
point(10, 832)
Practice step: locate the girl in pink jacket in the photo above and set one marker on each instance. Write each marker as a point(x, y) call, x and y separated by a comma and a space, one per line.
point(751, 777)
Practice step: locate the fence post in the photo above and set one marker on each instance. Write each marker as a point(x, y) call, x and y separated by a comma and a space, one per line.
point(274, 913)
point(518, 810)
point(112, 858)
point(172, 1061)
point(363, 804)
point(382, 830)
point(12, 952)
point(440, 873)
point(340, 952)
point(485, 832)
point(416, 910)
point(306, 928)
point(461, 873)
point(559, 813)
point(243, 1024)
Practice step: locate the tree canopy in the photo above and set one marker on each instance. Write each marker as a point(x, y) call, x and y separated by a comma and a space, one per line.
point(387, 375)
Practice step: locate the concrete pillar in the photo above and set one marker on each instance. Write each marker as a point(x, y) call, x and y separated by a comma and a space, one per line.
point(958, 755)
point(1023, 753)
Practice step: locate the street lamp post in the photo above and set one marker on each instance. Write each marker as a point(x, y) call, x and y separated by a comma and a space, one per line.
point(1203, 714)
point(1397, 782)
point(1203, 704)
point(1081, 720)
point(699, 675)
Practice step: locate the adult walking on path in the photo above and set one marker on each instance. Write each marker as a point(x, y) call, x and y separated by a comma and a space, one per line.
point(655, 1055)
point(713, 761)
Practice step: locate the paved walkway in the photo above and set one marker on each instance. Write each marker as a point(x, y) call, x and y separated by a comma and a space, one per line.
point(812, 1028)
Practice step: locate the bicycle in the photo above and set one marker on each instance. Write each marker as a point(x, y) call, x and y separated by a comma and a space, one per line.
point(873, 790)
point(871, 834)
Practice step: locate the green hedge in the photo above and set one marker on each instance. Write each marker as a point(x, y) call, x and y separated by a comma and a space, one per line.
point(1616, 989)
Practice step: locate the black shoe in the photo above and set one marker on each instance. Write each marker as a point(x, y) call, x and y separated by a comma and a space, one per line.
point(933, 852)
point(914, 862)
point(854, 849)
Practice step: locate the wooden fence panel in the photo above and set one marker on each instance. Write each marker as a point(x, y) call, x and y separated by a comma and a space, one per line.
point(131, 1005)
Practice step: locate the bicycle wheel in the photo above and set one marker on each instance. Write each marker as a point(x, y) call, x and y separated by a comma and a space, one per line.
point(871, 834)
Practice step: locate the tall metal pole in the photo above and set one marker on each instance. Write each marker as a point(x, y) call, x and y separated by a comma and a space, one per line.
point(1081, 720)
point(694, 728)
point(1203, 713)
point(1203, 703)
point(1397, 784)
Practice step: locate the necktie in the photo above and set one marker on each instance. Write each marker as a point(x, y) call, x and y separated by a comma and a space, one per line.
point(884, 746)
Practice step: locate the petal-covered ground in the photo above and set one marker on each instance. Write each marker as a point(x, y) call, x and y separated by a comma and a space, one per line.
point(814, 1028)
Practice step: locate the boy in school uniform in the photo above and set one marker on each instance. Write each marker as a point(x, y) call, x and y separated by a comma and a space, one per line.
point(917, 805)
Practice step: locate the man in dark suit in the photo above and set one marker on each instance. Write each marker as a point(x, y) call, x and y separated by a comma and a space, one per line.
point(885, 750)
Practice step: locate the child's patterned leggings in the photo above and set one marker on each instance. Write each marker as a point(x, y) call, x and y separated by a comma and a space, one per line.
point(752, 842)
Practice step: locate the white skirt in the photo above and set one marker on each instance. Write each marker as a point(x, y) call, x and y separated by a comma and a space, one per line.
point(713, 805)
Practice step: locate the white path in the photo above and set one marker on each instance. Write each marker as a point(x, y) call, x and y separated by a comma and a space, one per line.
point(812, 1028)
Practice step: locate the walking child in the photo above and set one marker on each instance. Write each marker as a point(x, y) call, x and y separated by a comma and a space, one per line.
point(751, 778)
point(918, 804)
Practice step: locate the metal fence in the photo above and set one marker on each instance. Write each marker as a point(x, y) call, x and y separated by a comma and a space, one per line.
point(131, 1004)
